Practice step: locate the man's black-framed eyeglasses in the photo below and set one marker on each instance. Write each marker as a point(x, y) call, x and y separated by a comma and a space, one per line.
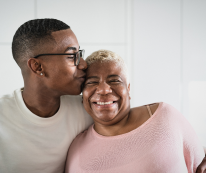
point(73, 58)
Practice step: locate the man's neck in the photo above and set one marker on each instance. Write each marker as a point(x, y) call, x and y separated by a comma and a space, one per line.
point(41, 103)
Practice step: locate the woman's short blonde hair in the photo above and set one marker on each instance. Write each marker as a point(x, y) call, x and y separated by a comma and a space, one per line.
point(106, 56)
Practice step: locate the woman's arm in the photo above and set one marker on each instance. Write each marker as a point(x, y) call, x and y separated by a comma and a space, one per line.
point(192, 149)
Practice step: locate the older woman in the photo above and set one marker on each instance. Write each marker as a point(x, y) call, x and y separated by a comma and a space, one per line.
point(151, 138)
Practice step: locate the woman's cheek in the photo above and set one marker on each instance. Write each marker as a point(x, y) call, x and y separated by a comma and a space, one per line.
point(86, 97)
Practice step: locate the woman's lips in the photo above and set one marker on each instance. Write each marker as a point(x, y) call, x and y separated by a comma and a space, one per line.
point(104, 103)
point(107, 104)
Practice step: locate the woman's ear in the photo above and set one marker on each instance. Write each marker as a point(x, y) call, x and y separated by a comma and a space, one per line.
point(35, 66)
point(128, 88)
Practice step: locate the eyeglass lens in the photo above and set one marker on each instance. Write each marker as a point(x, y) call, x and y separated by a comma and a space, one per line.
point(75, 59)
point(79, 55)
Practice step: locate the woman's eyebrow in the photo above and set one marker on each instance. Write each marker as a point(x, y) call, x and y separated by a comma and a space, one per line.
point(113, 75)
point(92, 77)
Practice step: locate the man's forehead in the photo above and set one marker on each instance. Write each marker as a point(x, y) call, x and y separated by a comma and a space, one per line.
point(71, 48)
point(63, 35)
point(65, 40)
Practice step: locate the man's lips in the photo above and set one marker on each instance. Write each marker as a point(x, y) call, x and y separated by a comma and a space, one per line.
point(82, 77)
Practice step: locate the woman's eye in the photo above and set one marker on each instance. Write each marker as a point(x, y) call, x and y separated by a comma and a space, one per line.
point(115, 81)
point(90, 83)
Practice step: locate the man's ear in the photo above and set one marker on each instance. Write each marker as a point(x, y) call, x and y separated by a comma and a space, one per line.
point(35, 66)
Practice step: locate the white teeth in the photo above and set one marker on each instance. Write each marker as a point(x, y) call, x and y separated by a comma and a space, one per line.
point(104, 103)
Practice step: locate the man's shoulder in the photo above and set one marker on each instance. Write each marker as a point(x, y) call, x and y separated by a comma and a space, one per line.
point(82, 138)
point(73, 103)
point(7, 98)
point(7, 104)
point(72, 98)
point(75, 108)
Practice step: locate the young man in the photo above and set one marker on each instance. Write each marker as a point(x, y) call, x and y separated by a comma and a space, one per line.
point(39, 121)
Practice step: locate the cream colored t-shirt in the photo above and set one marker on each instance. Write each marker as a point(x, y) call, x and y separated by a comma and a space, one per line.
point(31, 144)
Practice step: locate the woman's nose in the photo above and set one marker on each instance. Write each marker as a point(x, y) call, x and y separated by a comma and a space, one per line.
point(103, 89)
point(82, 64)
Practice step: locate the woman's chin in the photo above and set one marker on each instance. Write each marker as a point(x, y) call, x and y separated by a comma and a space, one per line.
point(105, 118)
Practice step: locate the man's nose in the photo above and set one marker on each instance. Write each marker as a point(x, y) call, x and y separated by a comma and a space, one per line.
point(82, 64)
point(103, 88)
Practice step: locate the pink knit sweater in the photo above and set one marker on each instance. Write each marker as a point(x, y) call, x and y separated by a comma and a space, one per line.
point(165, 143)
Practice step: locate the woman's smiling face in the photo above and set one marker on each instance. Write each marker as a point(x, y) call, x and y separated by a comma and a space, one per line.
point(106, 93)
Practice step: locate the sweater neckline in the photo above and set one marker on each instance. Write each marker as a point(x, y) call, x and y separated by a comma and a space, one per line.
point(130, 132)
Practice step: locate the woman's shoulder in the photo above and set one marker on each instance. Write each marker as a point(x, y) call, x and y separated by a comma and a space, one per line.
point(167, 112)
point(144, 110)
point(160, 108)
point(167, 108)
point(139, 115)
point(153, 107)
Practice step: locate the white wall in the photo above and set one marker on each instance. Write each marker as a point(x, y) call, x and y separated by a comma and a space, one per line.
point(197, 108)
point(170, 56)
point(194, 64)
point(156, 67)
point(11, 17)
point(162, 42)
point(194, 46)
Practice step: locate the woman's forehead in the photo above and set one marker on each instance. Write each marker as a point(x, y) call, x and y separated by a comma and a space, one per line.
point(105, 66)
point(106, 69)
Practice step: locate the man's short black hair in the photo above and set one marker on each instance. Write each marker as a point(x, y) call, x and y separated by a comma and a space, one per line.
point(29, 36)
